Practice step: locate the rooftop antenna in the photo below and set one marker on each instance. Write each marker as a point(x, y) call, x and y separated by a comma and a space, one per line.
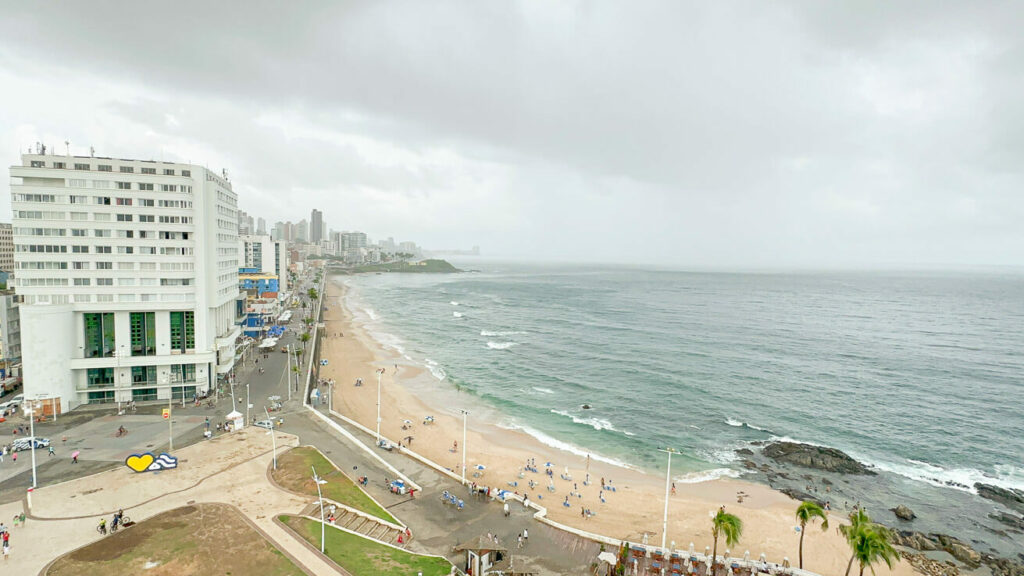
point(92, 151)
point(67, 148)
point(37, 147)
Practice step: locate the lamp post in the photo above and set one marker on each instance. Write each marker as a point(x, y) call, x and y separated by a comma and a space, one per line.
point(248, 402)
point(668, 482)
point(170, 418)
point(464, 414)
point(30, 412)
point(380, 372)
point(320, 497)
point(273, 438)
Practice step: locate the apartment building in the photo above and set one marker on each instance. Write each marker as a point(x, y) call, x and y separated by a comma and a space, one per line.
point(128, 275)
point(6, 248)
point(265, 255)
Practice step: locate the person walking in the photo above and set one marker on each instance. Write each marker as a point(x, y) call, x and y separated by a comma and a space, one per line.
point(14, 456)
point(74, 457)
point(49, 451)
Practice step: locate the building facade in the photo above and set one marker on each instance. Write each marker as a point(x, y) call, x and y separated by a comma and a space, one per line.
point(128, 272)
point(265, 255)
point(6, 248)
point(10, 333)
point(316, 226)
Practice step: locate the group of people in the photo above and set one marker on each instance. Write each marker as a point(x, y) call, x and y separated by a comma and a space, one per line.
point(5, 534)
point(115, 522)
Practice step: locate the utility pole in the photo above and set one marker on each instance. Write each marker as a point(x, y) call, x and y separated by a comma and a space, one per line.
point(668, 482)
point(464, 414)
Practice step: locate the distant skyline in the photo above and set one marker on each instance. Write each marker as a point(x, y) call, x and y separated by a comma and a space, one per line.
point(708, 135)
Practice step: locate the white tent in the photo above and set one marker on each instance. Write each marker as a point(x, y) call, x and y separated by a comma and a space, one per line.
point(237, 420)
point(268, 343)
point(607, 557)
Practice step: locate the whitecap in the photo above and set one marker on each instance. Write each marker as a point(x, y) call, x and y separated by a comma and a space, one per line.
point(457, 314)
point(543, 390)
point(595, 423)
point(732, 422)
point(565, 446)
point(454, 303)
point(509, 333)
point(707, 476)
point(501, 345)
point(370, 312)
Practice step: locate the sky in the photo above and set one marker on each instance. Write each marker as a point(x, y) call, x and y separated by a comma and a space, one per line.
point(721, 134)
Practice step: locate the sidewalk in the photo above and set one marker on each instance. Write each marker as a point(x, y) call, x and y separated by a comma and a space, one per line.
point(231, 469)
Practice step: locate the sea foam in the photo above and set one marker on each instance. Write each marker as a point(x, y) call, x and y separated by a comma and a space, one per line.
point(501, 345)
point(706, 475)
point(509, 333)
point(457, 314)
point(565, 446)
point(595, 423)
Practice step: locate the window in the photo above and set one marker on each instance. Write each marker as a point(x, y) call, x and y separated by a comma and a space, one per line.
point(59, 165)
point(168, 188)
point(101, 233)
point(147, 266)
point(79, 232)
point(175, 281)
point(144, 234)
point(82, 281)
point(124, 201)
point(187, 189)
point(146, 201)
point(127, 169)
point(99, 336)
point(126, 281)
point(104, 281)
point(103, 250)
point(79, 199)
point(182, 331)
point(147, 282)
point(35, 198)
point(80, 249)
point(99, 377)
point(105, 168)
point(126, 250)
point(126, 265)
point(125, 233)
point(168, 172)
point(81, 167)
point(76, 183)
point(143, 374)
point(146, 217)
point(105, 266)
point(38, 164)
point(79, 215)
point(145, 186)
point(150, 250)
point(102, 200)
point(186, 173)
point(124, 185)
point(101, 183)
point(149, 170)
point(183, 373)
point(124, 217)
point(101, 217)
point(80, 265)
point(143, 332)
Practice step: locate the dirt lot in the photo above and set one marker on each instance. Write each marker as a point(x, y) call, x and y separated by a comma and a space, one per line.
point(205, 539)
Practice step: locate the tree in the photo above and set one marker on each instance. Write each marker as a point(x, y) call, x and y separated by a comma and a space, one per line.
point(312, 294)
point(869, 542)
point(728, 525)
point(304, 338)
point(806, 512)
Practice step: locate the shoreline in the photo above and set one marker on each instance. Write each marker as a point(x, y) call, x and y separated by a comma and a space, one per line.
point(629, 512)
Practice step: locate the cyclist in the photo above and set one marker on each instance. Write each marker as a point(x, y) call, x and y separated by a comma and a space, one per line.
point(115, 521)
point(103, 526)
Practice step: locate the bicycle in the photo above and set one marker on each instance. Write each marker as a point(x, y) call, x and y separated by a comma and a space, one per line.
point(102, 529)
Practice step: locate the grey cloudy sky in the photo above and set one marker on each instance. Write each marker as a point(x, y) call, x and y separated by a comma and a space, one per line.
point(694, 133)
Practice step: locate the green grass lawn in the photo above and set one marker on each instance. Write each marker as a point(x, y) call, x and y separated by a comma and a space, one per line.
point(294, 473)
point(363, 557)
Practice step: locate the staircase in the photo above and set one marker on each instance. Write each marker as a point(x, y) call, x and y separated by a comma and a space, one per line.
point(360, 524)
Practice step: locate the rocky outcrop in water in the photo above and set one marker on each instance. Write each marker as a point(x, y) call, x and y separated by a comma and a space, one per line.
point(1011, 498)
point(816, 457)
point(1012, 520)
point(959, 550)
point(903, 513)
point(925, 565)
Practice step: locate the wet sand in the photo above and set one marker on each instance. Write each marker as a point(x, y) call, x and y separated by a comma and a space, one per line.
point(635, 507)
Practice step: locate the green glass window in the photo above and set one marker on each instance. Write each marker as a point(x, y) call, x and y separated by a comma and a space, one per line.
point(187, 391)
point(99, 335)
point(183, 373)
point(99, 377)
point(143, 394)
point(142, 375)
point(183, 336)
point(143, 329)
point(101, 397)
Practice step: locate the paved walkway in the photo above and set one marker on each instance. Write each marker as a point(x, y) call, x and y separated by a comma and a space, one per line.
point(231, 469)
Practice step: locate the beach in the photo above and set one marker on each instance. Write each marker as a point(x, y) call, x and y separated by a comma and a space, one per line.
point(633, 509)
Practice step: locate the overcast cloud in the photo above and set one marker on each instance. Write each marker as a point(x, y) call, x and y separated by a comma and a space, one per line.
point(696, 134)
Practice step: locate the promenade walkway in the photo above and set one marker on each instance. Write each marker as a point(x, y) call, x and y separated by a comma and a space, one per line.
point(231, 469)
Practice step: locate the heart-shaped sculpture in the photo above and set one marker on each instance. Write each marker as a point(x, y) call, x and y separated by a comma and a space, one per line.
point(139, 462)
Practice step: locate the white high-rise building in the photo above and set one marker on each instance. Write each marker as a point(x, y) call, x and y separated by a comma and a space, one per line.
point(266, 255)
point(6, 248)
point(129, 274)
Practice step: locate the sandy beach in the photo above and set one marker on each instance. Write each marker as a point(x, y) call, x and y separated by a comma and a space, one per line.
point(634, 508)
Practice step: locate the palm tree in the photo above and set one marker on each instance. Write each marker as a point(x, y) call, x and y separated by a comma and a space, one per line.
point(806, 512)
point(871, 544)
point(728, 525)
point(304, 338)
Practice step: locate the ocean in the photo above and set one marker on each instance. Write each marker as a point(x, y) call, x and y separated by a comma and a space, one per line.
point(918, 374)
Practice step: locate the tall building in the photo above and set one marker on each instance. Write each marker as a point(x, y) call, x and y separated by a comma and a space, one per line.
point(128, 271)
point(289, 232)
point(265, 255)
point(10, 333)
point(6, 248)
point(316, 226)
point(301, 232)
point(261, 226)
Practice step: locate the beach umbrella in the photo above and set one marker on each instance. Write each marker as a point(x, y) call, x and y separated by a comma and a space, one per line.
point(74, 454)
point(481, 467)
point(746, 556)
point(548, 464)
point(763, 557)
point(406, 421)
point(691, 548)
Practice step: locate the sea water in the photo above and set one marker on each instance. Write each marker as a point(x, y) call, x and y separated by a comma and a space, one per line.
point(919, 374)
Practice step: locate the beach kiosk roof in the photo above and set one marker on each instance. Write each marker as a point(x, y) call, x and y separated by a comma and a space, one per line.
point(481, 542)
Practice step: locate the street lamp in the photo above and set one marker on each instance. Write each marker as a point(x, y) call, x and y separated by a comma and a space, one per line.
point(248, 403)
point(273, 438)
point(320, 496)
point(668, 482)
point(30, 412)
point(380, 371)
point(464, 414)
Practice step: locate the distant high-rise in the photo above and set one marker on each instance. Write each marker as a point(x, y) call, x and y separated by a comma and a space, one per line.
point(6, 248)
point(316, 226)
point(277, 234)
point(301, 231)
point(261, 227)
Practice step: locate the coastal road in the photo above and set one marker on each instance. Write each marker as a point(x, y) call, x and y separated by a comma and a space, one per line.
point(437, 527)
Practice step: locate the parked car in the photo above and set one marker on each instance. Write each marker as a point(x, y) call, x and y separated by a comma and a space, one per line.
point(26, 443)
point(8, 408)
point(268, 424)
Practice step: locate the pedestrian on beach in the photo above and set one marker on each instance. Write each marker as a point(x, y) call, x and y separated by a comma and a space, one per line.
point(673, 488)
point(49, 451)
point(506, 510)
point(23, 519)
point(74, 457)
point(14, 457)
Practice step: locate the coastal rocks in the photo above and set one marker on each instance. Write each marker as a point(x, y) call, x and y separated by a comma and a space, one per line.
point(801, 496)
point(929, 567)
point(750, 465)
point(1012, 520)
point(956, 548)
point(1011, 498)
point(745, 452)
point(1003, 566)
point(817, 457)
point(903, 513)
